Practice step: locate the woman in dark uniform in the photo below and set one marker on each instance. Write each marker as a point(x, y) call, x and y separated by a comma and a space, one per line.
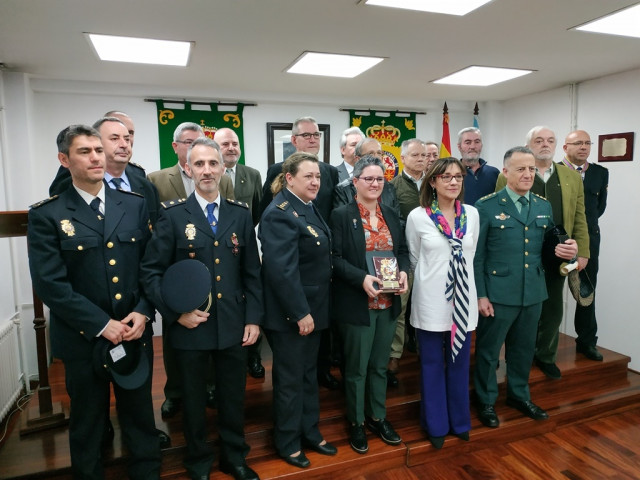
point(366, 315)
point(296, 271)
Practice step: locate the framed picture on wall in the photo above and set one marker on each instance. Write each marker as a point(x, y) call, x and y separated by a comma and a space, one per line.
point(279, 145)
point(616, 147)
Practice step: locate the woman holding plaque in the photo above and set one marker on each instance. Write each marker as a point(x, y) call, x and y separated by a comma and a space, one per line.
point(442, 235)
point(296, 274)
point(365, 233)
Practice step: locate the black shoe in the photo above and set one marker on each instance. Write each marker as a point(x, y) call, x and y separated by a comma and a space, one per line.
point(462, 436)
point(301, 461)
point(212, 402)
point(239, 472)
point(328, 381)
point(487, 415)
point(200, 477)
point(411, 344)
point(326, 449)
point(384, 430)
point(528, 408)
point(551, 370)
point(170, 407)
point(165, 439)
point(358, 438)
point(591, 352)
point(392, 380)
point(255, 368)
point(437, 442)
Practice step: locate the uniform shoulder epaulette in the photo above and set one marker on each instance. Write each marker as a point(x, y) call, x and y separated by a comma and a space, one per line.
point(283, 205)
point(42, 202)
point(238, 203)
point(539, 196)
point(173, 203)
point(493, 194)
point(344, 182)
point(130, 193)
point(138, 166)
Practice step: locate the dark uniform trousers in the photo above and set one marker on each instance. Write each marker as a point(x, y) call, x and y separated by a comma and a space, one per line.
point(231, 256)
point(86, 271)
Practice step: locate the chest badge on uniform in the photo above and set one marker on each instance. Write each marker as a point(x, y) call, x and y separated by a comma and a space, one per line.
point(236, 244)
point(503, 216)
point(312, 231)
point(190, 231)
point(295, 214)
point(68, 228)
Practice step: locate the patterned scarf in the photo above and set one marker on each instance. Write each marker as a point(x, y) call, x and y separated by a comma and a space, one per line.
point(457, 287)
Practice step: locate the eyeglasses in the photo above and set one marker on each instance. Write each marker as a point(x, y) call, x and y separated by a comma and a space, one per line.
point(446, 178)
point(580, 143)
point(307, 136)
point(370, 180)
point(185, 142)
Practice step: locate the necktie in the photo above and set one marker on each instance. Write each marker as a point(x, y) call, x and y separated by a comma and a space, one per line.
point(524, 210)
point(229, 173)
point(117, 182)
point(211, 218)
point(95, 206)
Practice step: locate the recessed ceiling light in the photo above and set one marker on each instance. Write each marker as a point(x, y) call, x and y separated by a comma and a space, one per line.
point(458, 7)
point(623, 22)
point(111, 48)
point(481, 76)
point(332, 64)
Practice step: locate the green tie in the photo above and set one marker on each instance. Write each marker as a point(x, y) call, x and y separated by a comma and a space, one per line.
point(524, 209)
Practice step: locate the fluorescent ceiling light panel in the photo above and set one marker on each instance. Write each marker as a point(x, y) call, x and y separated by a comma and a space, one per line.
point(332, 64)
point(624, 22)
point(449, 7)
point(481, 76)
point(111, 48)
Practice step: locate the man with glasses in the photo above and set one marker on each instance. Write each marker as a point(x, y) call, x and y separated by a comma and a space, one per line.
point(414, 160)
point(174, 183)
point(306, 137)
point(481, 177)
point(562, 187)
point(595, 178)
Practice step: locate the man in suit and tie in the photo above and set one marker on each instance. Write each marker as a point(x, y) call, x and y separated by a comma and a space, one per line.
point(348, 142)
point(563, 188)
point(219, 233)
point(595, 178)
point(174, 182)
point(85, 247)
point(511, 285)
point(247, 187)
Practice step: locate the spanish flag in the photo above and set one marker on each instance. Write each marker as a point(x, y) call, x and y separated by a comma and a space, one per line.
point(445, 146)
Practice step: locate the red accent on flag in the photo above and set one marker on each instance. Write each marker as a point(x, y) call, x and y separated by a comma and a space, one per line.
point(445, 145)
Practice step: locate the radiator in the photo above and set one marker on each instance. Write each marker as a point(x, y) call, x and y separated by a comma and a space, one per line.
point(10, 385)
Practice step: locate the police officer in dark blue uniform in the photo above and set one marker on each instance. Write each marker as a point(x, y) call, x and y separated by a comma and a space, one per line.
point(85, 246)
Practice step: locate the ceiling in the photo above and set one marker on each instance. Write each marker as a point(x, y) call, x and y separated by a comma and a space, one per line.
point(243, 47)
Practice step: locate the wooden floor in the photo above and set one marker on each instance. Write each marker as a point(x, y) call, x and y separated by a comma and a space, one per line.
point(593, 432)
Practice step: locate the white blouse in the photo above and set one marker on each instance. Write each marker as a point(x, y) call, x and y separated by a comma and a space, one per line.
point(430, 252)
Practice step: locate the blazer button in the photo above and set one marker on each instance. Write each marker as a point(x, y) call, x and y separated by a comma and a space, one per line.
point(526, 228)
point(318, 243)
point(494, 272)
point(218, 278)
point(526, 265)
point(526, 240)
point(112, 262)
point(133, 239)
point(526, 253)
point(80, 247)
point(215, 244)
point(109, 244)
point(81, 332)
point(217, 261)
point(118, 296)
point(219, 295)
point(502, 227)
point(115, 279)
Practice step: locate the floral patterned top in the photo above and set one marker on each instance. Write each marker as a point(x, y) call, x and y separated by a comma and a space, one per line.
point(376, 240)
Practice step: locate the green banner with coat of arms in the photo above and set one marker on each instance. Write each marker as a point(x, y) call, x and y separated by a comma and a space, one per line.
point(171, 114)
point(390, 129)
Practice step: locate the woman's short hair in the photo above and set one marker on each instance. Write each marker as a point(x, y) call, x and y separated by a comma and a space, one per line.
point(367, 161)
point(291, 165)
point(427, 192)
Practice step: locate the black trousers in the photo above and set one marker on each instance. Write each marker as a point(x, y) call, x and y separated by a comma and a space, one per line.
point(230, 376)
point(585, 317)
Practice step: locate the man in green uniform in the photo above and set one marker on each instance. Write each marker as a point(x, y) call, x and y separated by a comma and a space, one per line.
point(511, 285)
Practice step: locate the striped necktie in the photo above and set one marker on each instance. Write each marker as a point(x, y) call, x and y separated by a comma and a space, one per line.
point(117, 182)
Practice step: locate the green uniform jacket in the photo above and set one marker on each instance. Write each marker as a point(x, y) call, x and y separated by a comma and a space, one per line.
point(575, 222)
point(508, 260)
